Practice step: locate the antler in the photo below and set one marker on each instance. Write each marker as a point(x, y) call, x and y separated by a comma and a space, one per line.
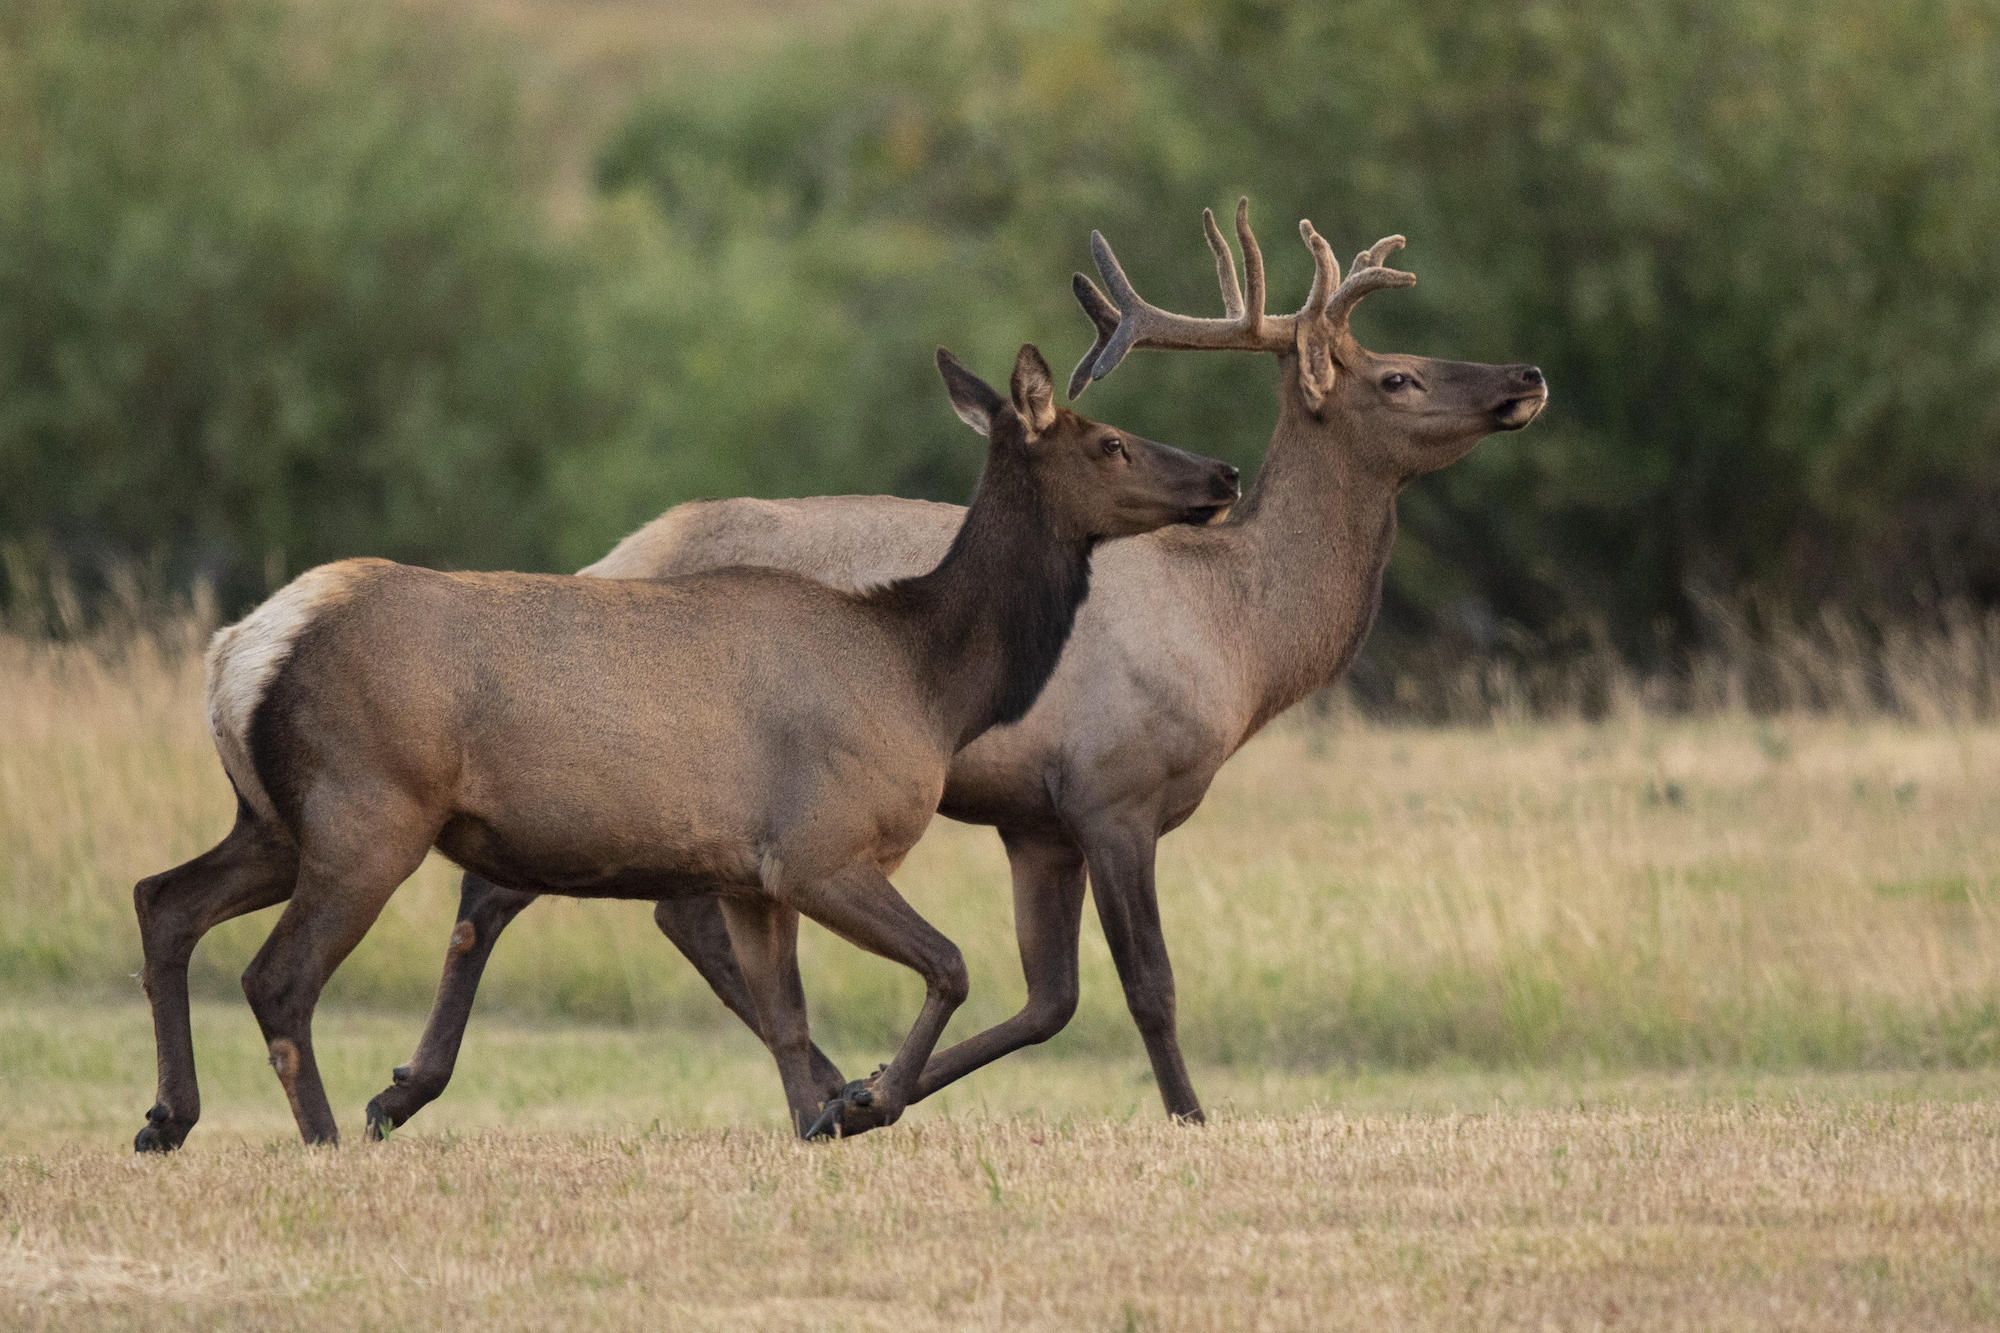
point(1126, 320)
point(1370, 273)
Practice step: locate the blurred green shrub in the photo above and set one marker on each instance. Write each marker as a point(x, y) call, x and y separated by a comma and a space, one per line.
point(274, 287)
point(276, 284)
point(1751, 242)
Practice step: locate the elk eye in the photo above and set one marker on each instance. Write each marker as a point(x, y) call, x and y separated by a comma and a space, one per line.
point(1398, 380)
point(1113, 447)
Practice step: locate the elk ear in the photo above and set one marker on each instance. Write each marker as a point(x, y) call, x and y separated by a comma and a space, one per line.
point(976, 402)
point(1034, 391)
point(1316, 366)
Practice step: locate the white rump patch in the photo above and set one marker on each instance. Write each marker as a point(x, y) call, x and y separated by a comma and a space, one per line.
point(244, 658)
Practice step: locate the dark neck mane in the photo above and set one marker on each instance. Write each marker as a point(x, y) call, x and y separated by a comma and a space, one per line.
point(990, 622)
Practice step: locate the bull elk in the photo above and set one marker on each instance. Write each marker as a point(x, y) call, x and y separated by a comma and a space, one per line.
point(748, 733)
point(1199, 636)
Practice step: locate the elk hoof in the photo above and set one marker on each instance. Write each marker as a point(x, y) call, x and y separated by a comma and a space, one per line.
point(160, 1133)
point(854, 1111)
point(380, 1122)
point(827, 1125)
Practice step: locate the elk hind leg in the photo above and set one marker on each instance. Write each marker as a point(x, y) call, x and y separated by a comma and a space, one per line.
point(1048, 917)
point(343, 885)
point(253, 867)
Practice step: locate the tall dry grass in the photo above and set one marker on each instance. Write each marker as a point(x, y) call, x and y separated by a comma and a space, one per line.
point(1941, 669)
point(1792, 889)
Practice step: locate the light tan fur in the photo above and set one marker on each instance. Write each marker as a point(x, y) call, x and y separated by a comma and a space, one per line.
point(243, 658)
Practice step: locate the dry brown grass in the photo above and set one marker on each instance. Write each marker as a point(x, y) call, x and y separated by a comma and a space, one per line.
point(1822, 1204)
point(1783, 892)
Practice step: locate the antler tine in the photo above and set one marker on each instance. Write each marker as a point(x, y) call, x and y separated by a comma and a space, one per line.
point(1095, 304)
point(1359, 285)
point(1253, 261)
point(1376, 255)
point(1104, 316)
point(1133, 313)
point(1123, 293)
point(1369, 274)
point(1326, 269)
point(1225, 266)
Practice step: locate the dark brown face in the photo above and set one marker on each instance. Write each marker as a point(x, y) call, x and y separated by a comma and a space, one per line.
point(1117, 484)
point(1420, 414)
point(1097, 480)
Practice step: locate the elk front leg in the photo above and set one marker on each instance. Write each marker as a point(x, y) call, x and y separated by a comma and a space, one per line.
point(1048, 913)
point(693, 924)
point(484, 910)
point(251, 868)
point(863, 908)
point(1121, 880)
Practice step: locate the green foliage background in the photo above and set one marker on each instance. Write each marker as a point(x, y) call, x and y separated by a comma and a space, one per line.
point(281, 284)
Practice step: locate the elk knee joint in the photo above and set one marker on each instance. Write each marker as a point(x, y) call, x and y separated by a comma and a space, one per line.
point(285, 1059)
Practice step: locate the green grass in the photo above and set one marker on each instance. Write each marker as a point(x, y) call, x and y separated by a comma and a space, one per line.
point(78, 1078)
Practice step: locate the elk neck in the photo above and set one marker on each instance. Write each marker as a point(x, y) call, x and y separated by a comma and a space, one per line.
point(988, 625)
point(1317, 527)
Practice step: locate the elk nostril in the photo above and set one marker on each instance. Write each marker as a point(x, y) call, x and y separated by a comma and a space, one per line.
point(1531, 376)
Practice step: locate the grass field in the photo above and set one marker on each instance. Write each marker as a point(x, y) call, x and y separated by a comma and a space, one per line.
point(1659, 1023)
point(611, 1177)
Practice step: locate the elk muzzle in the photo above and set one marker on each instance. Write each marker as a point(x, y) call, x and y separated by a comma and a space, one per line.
point(1225, 487)
point(1530, 394)
point(1167, 485)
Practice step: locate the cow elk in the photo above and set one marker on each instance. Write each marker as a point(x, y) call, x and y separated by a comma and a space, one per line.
point(744, 733)
point(1196, 638)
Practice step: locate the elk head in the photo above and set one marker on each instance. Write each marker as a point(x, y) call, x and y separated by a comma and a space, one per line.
point(1403, 415)
point(1096, 481)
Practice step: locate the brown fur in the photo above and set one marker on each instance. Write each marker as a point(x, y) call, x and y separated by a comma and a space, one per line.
point(747, 732)
point(1193, 639)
